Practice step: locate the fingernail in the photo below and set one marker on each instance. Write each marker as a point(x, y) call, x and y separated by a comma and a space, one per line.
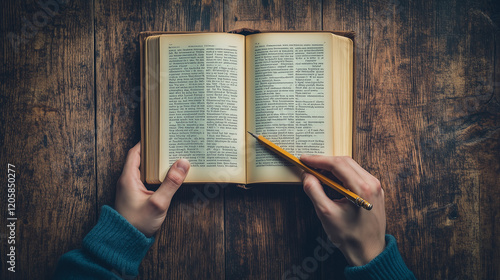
point(303, 155)
point(183, 164)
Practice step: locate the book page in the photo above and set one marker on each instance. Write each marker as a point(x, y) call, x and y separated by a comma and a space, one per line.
point(289, 100)
point(202, 105)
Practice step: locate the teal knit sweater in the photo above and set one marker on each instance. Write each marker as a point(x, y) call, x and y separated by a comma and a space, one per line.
point(387, 265)
point(114, 249)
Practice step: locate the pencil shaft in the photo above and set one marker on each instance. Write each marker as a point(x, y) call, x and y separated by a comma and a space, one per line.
point(356, 199)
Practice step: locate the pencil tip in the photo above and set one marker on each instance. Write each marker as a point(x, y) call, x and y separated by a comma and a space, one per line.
point(252, 134)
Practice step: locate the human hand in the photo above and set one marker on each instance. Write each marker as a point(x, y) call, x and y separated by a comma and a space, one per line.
point(143, 208)
point(358, 233)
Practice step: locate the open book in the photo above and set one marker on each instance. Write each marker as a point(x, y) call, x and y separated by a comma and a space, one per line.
point(202, 92)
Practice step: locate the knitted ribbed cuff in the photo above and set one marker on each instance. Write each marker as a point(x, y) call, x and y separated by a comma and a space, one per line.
point(388, 265)
point(117, 244)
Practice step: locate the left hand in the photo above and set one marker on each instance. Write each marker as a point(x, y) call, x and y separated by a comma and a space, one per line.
point(145, 209)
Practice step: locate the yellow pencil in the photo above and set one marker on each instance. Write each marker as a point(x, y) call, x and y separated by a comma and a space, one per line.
point(354, 198)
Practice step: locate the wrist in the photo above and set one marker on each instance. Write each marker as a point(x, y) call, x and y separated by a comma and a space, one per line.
point(359, 254)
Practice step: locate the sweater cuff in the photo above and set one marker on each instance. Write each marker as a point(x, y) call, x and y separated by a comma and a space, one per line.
point(117, 244)
point(388, 265)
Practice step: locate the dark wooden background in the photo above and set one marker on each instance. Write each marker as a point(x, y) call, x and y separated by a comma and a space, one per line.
point(428, 119)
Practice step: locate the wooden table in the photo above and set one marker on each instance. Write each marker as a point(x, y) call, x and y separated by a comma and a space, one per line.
point(428, 118)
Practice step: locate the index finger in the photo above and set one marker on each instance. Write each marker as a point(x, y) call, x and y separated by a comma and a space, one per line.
point(369, 178)
point(339, 167)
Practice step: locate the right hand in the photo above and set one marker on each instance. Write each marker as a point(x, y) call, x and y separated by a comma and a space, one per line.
point(358, 233)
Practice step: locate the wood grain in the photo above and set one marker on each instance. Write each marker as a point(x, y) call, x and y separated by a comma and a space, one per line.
point(480, 127)
point(272, 232)
point(428, 113)
point(47, 131)
point(272, 15)
point(181, 252)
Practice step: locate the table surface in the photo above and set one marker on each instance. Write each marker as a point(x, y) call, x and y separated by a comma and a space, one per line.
point(427, 111)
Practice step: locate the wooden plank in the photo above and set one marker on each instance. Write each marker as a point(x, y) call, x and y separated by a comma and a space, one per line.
point(419, 66)
point(271, 230)
point(272, 15)
point(47, 130)
point(118, 23)
point(191, 244)
point(482, 134)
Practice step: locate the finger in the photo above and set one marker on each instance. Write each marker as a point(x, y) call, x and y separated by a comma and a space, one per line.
point(339, 167)
point(315, 192)
point(133, 161)
point(319, 161)
point(175, 176)
point(373, 184)
point(360, 170)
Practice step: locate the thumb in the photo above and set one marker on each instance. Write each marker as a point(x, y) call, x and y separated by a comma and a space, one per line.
point(174, 179)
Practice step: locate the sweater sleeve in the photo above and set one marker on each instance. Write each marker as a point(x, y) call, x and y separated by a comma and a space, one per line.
point(113, 249)
point(388, 265)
